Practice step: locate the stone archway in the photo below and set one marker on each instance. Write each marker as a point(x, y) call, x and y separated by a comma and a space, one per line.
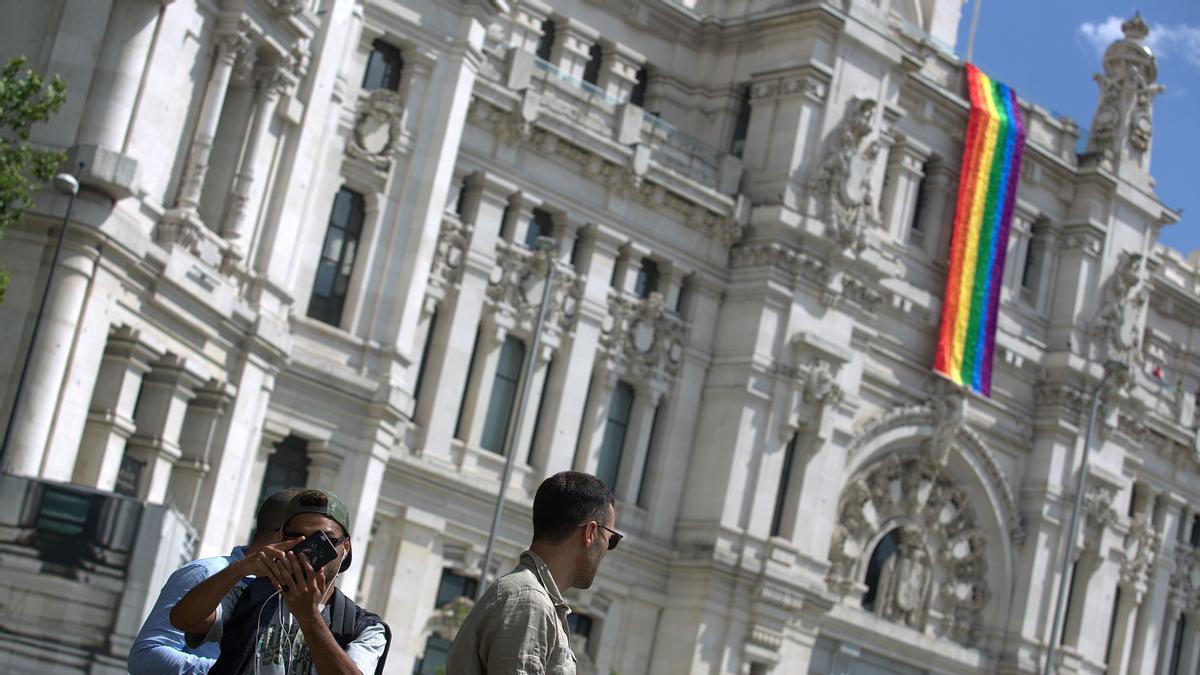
point(947, 547)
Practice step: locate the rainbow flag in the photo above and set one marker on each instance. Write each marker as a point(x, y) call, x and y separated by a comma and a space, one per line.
point(991, 168)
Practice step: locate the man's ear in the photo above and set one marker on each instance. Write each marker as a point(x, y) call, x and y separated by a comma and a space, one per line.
point(589, 533)
point(349, 557)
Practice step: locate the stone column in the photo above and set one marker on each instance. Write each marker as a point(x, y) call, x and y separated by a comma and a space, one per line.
point(1153, 616)
point(49, 360)
point(1122, 639)
point(527, 19)
point(567, 385)
point(196, 446)
point(520, 216)
point(230, 46)
point(414, 582)
point(112, 100)
point(162, 404)
point(479, 388)
point(572, 47)
point(110, 421)
point(470, 255)
point(358, 484)
point(905, 171)
point(270, 84)
point(637, 443)
point(619, 67)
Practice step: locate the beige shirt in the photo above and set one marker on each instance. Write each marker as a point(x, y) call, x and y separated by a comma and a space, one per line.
point(518, 627)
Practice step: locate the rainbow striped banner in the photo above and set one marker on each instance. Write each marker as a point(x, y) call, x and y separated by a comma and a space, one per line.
point(991, 168)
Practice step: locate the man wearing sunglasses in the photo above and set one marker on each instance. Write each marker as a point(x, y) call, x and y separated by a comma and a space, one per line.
point(519, 624)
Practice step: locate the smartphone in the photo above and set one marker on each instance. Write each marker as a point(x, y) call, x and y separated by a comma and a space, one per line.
point(317, 549)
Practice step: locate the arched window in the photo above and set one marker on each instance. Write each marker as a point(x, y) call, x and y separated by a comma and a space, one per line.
point(885, 549)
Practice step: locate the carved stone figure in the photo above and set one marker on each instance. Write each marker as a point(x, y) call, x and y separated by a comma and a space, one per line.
point(949, 410)
point(1119, 322)
point(904, 581)
point(642, 337)
point(1127, 90)
point(842, 185)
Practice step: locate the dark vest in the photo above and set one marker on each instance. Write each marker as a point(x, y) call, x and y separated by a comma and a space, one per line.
point(240, 632)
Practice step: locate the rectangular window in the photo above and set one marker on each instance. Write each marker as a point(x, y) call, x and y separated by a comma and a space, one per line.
point(383, 67)
point(1177, 644)
point(919, 207)
point(462, 404)
point(287, 467)
point(781, 495)
point(546, 42)
point(429, 335)
point(541, 224)
point(591, 71)
point(504, 395)
point(613, 444)
point(637, 95)
point(742, 125)
point(580, 624)
point(1027, 272)
point(337, 257)
point(647, 278)
point(643, 498)
point(1195, 538)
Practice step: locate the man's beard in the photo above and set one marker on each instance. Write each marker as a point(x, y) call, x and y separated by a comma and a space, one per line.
point(591, 566)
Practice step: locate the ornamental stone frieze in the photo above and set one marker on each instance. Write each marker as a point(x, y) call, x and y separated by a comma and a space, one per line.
point(937, 539)
point(1185, 580)
point(379, 128)
point(841, 186)
point(515, 289)
point(642, 339)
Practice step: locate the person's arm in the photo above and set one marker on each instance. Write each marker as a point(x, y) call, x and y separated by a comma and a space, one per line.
point(196, 612)
point(518, 641)
point(159, 645)
point(305, 591)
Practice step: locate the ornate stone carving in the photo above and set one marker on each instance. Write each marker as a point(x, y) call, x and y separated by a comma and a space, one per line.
point(450, 252)
point(939, 538)
point(1097, 506)
point(842, 185)
point(642, 337)
point(1185, 580)
point(515, 288)
point(447, 619)
point(1118, 324)
point(904, 581)
point(1140, 553)
point(378, 131)
point(1127, 89)
point(948, 406)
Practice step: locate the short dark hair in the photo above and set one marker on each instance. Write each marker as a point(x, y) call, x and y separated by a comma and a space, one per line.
point(270, 513)
point(567, 500)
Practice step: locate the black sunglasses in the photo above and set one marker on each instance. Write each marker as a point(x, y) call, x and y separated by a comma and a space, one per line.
point(613, 540)
point(287, 536)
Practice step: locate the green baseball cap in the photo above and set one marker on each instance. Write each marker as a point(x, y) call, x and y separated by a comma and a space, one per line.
point(321, 502)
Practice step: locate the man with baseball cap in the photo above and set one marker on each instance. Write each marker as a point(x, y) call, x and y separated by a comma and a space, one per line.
point(291, 619)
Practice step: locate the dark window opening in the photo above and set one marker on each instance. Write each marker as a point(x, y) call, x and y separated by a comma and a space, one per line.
point(741, 126)
point(1027, 271)
point(541, 224)
point(429, 334)
point(647, 278)
point(884, 550)
point(336, 264)
point(546, 42)
point(1195, 538)
point(591, 72)
point(637, 95)
point(287, 467)
point(781, 495)
point(1177, 644)
point(922, 197)
point(613, 444)
point(383, 67)
point(580, 624)
point(643, 498)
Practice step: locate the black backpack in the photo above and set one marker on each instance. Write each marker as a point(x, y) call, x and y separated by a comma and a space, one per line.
point(239, 635)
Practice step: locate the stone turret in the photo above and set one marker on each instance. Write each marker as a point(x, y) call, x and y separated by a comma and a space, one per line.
point(1122, 126)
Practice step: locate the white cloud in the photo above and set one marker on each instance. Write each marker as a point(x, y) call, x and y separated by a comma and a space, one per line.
point(1167, 41)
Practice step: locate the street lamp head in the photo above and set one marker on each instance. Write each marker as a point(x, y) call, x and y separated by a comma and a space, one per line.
point(1115, 367)
point(66, 184)
point(546, 244)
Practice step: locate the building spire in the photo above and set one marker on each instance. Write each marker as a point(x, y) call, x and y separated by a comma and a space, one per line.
point(1122, 126)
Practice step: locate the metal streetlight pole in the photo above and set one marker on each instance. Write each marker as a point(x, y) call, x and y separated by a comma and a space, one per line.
point(68, 185)
point(1111, 368)
point(545, 246)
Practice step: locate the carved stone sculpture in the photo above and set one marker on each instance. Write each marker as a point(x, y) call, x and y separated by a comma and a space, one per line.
point(842, 185)
point(643, 338)
point(904, 581)
point(1118, 324)
point(1127, 90)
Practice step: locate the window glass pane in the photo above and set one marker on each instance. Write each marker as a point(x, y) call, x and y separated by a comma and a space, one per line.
point(637, 95)
point(337, 258)
point(781, 495)
point(383, 67)
point(437, 653)
point(540, 225)
point(647, 278)
point(504, 394)
point(885, 549)
point(455, 586)
point(333, 243)
point(613, 442)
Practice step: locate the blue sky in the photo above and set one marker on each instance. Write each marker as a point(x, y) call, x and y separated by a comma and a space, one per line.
point(1048, 50)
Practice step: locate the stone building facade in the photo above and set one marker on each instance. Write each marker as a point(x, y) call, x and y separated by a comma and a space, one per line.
point(304, 254)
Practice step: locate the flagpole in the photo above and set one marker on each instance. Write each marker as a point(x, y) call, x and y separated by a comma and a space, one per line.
point(974, 24)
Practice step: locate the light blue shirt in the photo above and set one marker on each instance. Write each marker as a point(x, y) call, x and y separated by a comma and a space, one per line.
point(159, 647)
